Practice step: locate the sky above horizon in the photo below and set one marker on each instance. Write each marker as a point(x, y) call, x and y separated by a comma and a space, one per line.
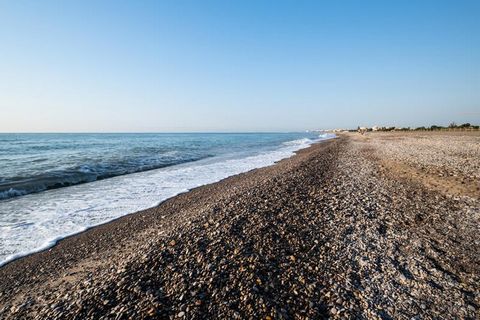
point(157, 66)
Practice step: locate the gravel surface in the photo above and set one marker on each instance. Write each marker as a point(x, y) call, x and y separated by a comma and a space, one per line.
point(330, 233)
point(450, 154)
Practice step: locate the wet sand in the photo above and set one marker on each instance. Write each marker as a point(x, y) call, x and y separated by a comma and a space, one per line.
point(378, 226)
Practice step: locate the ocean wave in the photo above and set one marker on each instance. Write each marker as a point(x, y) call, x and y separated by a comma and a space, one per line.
point(20, 186)
point(10, 193)
point(298, 142)
point(324, 136)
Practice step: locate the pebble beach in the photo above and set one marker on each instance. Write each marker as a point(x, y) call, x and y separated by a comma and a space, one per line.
point(374, 226)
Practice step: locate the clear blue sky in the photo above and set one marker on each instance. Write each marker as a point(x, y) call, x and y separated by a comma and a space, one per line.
point(237, 65)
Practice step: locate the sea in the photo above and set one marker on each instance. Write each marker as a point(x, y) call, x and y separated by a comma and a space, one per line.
point(53, 185)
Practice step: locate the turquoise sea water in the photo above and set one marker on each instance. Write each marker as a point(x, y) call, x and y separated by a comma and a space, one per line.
point(54, 185)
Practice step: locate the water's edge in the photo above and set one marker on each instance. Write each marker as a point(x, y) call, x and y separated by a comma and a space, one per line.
point(53, 242)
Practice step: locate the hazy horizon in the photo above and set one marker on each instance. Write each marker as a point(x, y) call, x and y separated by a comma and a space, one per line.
point(250, 66)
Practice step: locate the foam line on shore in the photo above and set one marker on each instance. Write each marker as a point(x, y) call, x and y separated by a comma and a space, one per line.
point(60, 213)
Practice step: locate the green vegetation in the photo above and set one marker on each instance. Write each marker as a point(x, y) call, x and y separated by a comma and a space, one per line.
point(452, 126)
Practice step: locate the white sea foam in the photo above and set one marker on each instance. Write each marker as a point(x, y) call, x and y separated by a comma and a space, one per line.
point(327, 135)
point(37, 221)
point(297, 142)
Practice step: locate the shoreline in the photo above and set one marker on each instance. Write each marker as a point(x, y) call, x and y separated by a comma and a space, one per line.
point(129, 216)
point(48, 244)
point(330, 232)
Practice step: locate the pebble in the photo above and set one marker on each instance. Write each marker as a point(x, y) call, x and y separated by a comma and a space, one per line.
point(327, 232)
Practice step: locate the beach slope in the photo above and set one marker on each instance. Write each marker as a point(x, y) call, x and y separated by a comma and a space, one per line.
point(381, 226)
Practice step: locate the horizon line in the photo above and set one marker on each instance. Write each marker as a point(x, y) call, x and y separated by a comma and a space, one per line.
point(153, 132)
